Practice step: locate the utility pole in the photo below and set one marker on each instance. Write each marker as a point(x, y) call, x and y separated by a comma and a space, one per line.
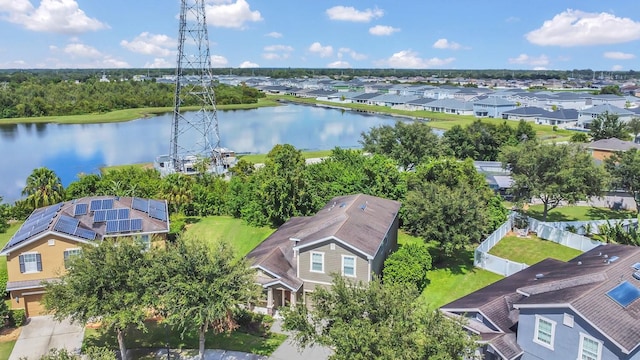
point(194, 136)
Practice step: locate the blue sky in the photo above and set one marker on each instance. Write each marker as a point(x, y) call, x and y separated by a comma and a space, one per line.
point(419, 34)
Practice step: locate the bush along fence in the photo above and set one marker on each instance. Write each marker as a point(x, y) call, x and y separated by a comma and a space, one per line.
point(552, 231)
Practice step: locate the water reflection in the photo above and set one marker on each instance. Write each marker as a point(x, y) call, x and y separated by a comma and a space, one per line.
point(73, 149)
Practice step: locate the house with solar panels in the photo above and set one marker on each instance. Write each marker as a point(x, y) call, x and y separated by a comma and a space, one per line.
point(586, 308)
point(39, 251)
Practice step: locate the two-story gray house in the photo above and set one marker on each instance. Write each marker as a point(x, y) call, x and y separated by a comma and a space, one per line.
point(351, 236)
point(587, 308)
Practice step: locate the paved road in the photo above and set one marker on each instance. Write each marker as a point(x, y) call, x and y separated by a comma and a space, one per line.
point(43, 333)
point(288, 350)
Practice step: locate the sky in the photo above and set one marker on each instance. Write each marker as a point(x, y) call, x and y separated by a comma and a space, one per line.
point(413, 34)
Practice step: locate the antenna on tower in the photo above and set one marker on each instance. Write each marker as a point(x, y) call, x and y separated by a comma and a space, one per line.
point(195, 136)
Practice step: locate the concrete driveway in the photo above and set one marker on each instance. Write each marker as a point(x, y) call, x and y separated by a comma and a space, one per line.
point(43, 333)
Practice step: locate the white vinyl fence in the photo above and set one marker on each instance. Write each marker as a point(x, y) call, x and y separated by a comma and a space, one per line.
point(552, 231)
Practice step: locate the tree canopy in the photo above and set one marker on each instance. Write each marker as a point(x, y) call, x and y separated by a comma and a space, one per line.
point(608, 125)
point(105, 282)
point(553, 173)
point(43, 188)
point(376, 321)
point(624, 168)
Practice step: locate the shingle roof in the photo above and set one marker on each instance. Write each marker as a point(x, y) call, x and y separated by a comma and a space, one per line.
point(61, 219)
point(613, 144)
point(526, 110)
point(359, 221)
point(581, 284)
point(599, 109)
point(495, 101)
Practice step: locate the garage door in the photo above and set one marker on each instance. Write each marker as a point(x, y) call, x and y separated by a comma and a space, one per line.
point(34, 305)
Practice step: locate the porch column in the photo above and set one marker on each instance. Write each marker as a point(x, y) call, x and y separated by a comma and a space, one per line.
point(292, 298)
point(270, 301)
point(283, 292)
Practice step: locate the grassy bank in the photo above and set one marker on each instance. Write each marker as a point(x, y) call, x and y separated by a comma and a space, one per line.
point(577, 213)
point(260, 158)
point(125, 115)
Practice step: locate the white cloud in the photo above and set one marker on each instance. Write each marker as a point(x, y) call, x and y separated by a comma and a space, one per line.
point(339, 65)
point(382, 30)
point(618, 55)
point(352, 53)
point(322, 51)
point(446, 44)
point(617, 68)
point(579, 28)
point(349, 13)
point(159, 63)
point(218, 61)
point(57, 16)
point(82, 51)
point(524, 59)
point(274, 34)
point(151, 44)
point(231, 14)
point(409, 59)
point(248, 64)
point(512, 19)
point(540, 68)
point(277, 52)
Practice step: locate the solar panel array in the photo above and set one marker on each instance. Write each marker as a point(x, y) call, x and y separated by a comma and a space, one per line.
point(80, 209)
point(101, 204)
point(67, 225)
point(158, 210)
point(136, 224)
point(124, 225)
point(36, 223)
point(86, 234)
point(140, 204)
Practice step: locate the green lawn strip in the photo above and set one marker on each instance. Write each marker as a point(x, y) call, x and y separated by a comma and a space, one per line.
point(106, 169)
point(157, 336)
point(575, 213)
point(6, 348)
point(448, 284)
point(127, 114)
point(243, 237)
point(532, 250)
point(4, 239)
point(260, 158)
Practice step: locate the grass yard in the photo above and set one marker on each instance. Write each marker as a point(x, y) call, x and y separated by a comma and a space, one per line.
point(575, 213)
point(157, 337)
point(4, 239)
point(452, 279)
point(532, 250)
point(260, 158)
point(5, 349)
point(243, 237)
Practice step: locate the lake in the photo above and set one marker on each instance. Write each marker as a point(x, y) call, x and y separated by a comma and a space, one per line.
point(71, 149)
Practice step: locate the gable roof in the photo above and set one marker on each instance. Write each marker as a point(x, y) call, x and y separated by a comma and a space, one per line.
point(600, 109)
point(77, 220)
point(580, 284)
point(360, 222)
point(613, 144)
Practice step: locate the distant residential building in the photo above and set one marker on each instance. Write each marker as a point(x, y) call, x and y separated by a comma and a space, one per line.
point(604, 148)
point(586, 116)
point(492, 107)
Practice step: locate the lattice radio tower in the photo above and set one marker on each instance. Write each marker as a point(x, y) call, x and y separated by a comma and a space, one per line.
point(195, 136)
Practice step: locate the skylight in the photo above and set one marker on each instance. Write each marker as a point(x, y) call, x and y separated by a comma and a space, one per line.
point(624, 294)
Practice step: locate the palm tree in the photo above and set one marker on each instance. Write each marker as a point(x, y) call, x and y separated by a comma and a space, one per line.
point(177, 189)
point(43, 188)
point(634, 127)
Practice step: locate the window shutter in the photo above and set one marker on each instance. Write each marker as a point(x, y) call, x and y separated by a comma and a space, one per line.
point(21, 260)
point(39, 260)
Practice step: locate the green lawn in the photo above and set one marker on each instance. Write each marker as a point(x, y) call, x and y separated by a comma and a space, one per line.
point(214, 228)
point(450, 279)
point(260, 158)
point(575, 213)
point(157, 336)
point(127, 114)
point(4, 239)
point(6, 348)
point(532, 250)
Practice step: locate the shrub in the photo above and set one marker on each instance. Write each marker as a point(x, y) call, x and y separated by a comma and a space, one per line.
point(60, 354)
point(252, 323)
point(17, 317)
point(99, 353)
point(408, 266)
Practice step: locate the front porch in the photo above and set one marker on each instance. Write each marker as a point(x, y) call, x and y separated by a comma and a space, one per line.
point(275, 297)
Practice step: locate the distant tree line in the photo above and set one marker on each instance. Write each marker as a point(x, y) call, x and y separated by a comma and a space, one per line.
point(33, 96)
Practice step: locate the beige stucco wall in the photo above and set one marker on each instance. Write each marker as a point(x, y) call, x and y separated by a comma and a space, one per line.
point(52, 258)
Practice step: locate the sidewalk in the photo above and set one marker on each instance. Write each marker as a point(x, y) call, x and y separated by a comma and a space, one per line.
point(289, 351)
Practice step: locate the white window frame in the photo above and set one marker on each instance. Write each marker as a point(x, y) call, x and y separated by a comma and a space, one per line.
point(581, 349)
point(145, 239)
point(537, 329)
point(321, 262)
point(354, 265)
point(72, 252)
point(35, 262)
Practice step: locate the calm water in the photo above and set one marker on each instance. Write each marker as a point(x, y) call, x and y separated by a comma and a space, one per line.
point(73, 149)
